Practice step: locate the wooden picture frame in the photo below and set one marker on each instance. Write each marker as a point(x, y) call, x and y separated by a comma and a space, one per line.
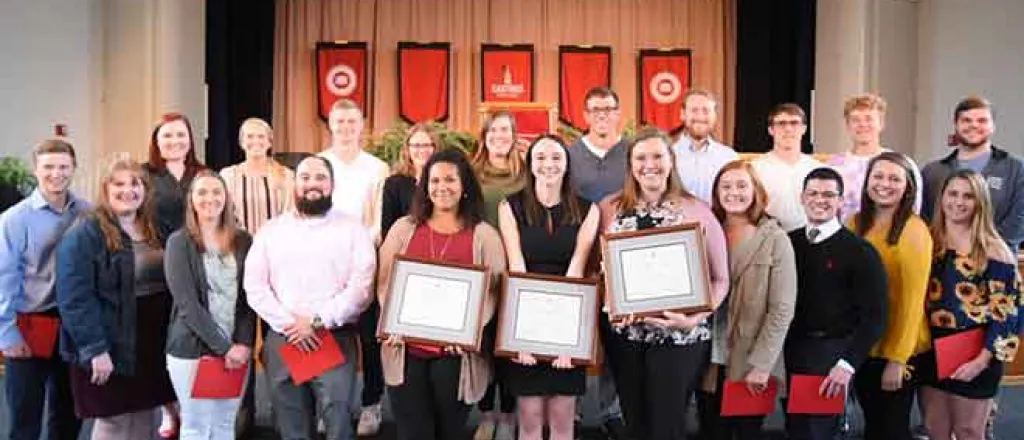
point(445, 306)
point(574, 300)
point(658, 269)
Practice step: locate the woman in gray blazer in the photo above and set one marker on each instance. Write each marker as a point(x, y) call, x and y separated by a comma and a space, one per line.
point(749, 330)
point(204, 263)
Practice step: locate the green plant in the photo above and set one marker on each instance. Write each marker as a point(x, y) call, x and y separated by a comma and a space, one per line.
point(14, 173)
point(387, 146)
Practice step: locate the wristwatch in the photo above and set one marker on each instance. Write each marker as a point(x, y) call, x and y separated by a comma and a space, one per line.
point(317, 322)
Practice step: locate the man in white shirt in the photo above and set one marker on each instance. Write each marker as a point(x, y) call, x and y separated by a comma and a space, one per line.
point(783, 169)
point(311, 269)
point(699, 157)
point(358, 175)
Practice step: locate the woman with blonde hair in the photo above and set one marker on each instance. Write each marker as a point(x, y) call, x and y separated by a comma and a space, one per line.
point(749, 332)
point(500, 170)
point(260, 187)
point(112, 294)
point(974, 285)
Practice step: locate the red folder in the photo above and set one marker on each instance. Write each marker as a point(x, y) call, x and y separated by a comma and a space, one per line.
point(737, 400)
point(215, 381)
point(804, 397)
point(39, 333)
point(955, 350)
point(305, 366)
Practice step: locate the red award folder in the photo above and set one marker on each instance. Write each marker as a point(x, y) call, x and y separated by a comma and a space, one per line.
point(39, 333)
point(305, 366)
point(215, 381)
point(955, 350)
point(804, 397)
point(737, 400)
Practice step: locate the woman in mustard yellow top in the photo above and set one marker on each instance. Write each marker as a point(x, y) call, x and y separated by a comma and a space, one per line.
point(885, 382)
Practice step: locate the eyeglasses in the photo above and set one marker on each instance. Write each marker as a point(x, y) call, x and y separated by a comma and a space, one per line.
point(420, 146)
point(827, 195)
point(602, 110)
point(788, 123)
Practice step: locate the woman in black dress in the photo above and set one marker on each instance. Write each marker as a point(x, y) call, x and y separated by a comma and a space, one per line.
point(547, 229)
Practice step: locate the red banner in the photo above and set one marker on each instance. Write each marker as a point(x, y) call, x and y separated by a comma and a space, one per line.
point(663, 77)
point(506, 73)
point(579, 70)
point(423, 70)
point(341, 74)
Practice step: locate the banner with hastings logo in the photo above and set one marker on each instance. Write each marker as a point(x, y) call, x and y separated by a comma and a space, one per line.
point(580, 68)
point(423, 81)
point(341, 74)
point(663, 77)
point(506, 73)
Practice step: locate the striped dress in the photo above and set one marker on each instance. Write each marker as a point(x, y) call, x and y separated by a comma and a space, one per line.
point(259, 198)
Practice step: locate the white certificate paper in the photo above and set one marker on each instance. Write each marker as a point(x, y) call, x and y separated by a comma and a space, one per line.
point(434, 302)
point(549, 318)
point(655, 272)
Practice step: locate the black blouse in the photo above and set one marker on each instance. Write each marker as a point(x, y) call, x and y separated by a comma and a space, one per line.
point(397, 200)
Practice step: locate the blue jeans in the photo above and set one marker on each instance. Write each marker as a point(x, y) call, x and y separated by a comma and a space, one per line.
point(30, 383)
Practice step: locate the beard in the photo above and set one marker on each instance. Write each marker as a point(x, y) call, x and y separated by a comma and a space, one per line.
point(963, 141)
point(313, 207)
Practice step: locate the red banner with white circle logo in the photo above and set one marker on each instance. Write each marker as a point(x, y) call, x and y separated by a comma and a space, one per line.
point(506, 73)
point(580, 68)
point(423, 81)
point(663, 77)
point(341, 74)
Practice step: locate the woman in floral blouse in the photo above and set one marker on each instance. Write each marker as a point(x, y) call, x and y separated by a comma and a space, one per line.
point(974, 284)
point(657, 361)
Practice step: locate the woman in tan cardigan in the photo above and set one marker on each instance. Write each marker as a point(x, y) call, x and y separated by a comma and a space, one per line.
point(431, 387)
point(748, 332)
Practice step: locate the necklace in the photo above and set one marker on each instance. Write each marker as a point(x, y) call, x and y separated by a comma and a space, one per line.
point(430, 239)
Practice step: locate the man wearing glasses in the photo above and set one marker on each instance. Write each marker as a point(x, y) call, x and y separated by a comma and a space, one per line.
point(783, 169)
point(840, 301)
point(598, 161)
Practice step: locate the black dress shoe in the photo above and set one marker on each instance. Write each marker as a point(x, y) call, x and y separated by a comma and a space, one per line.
point(614, 429)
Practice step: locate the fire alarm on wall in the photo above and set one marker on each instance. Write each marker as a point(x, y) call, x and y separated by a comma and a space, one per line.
point(60, 130)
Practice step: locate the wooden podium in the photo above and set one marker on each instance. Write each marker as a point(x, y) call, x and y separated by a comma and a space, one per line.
point(532, 119)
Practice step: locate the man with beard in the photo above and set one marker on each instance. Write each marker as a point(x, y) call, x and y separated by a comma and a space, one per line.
point(37, 384)
point(307, 270)
point(1003, 171)
point(698, 155)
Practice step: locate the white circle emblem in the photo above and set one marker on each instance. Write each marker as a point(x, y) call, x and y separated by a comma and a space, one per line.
point(665, 87)
point(341, 80)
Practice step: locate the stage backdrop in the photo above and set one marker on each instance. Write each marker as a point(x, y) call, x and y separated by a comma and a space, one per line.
point(707, 27)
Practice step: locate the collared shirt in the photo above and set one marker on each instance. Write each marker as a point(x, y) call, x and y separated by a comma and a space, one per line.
point(358, 188)
point(310, 266)
point(854, 170)
point(697, 168)
point(784, 183)
point(29, 233)
point(826, 230)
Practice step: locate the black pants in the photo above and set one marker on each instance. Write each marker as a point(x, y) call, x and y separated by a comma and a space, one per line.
point(497, 386)
point(39, 390)
point(886, 413)
point(426, 405)
point(373, 373)
point(811, 356)
point(713, 426)
point(655, 383)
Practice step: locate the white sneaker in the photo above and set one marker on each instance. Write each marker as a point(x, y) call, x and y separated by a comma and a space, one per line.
point(369, 420)
point(321, 427)
point(506, 431)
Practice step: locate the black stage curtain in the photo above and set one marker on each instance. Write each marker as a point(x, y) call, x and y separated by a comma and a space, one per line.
point(774, 64)
point(239, 72)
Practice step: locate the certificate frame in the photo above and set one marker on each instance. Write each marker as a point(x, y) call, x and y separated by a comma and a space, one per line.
point(467, 333)
point(685, 243)
point(584, 351)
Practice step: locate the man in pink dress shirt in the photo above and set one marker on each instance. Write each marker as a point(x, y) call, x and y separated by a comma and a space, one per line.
point(311, 269)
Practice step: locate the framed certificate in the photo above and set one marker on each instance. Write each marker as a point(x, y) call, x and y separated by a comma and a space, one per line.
point(650, 271)
point(548, 316)
point(435, 302)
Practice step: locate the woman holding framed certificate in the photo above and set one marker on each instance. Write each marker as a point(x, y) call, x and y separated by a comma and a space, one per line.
point(547, 229)
point(657, 361)
point(750, 329)
point(432, 387)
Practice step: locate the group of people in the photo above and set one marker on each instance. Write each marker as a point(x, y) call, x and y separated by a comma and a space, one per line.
point(848, 271)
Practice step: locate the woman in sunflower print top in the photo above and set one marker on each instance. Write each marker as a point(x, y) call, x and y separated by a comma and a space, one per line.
point(974, 283)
